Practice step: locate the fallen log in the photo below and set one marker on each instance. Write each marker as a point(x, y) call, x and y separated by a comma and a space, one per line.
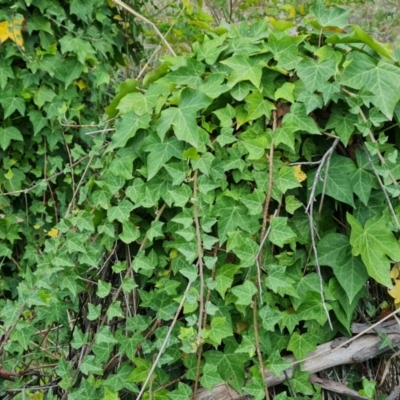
point(339, 351)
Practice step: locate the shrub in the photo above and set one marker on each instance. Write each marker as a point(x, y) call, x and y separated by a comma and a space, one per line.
point(233, 215)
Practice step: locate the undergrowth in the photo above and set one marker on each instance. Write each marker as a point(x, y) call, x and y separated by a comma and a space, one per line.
point(227, 211)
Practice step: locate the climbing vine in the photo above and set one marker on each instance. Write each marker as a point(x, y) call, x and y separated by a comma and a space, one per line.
point(228, 211)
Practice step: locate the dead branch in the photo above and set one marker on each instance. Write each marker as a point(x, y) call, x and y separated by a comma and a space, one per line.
point(340, 351)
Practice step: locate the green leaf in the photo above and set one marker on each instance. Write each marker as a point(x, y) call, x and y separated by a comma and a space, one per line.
point(376, 245)
point(301, 345)
point(230, 366)
point(8, 134)
point(43, 95)
point(311, 101)
point(210, 377)
point(103, 288)
point(243, 69)
point(257, 106)
point(232, 215)
point(343, 124)
point(89, 366)
point(334, 251)
point(78, 46)
point(190, 74)
point(210, 49)
point(79, 339)
point(5, 73)
point(333, 16)
point(281, 233)
point(298, 118)
point(161, 153)
point(182, 393)
point(126, 129)
point(183, 117)
point(130, 232)
point(224, 278)
point(300, 382)
point(142, 370)
point(286, 179)
point(11, 103)
point(121, 212)
point(380, 78)
point(277, 364)
point(220, 329)
point(314, 74)
point(313, 309)
point(244, 293)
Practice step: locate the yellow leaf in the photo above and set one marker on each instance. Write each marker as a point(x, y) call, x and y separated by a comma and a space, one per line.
point(395, 292)
point(53, 232)
point(173, 254)
point(299, 174)
point(12, 30)
point(290, 10)
point(81, 84)
point(394, 272)
point(117, 17)
point(36, 226)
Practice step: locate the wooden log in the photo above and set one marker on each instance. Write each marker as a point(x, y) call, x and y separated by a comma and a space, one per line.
point(340, 351)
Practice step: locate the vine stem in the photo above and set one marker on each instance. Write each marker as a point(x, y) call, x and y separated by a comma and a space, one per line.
point(201, 275)
point(144, 19)
point(165, 342)
point(258, 350)
point(310, 211)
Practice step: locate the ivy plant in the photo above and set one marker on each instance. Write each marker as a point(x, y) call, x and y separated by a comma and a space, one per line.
point(229, 211)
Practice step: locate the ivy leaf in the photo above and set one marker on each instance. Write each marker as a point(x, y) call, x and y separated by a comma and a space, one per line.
point(183, 117)
point(5, 73)
point(311, 101)
point(161, 153)
point(284, 48)
point(286, 179)
point(380, 78)
point(126, 129)
point(232, 215)
point(256, 388)
point(190, 74)
point(334, 251)
point(210, 49)
point(281, 233)
point(301, 345)
point(300, 382)
point(333, 16)
point(182, 393)
point(314, 74)
point(139, 103)
point(277, 364)
point(298, 118)
point(244, 293)
point(121, 212)
point(243, 68)
point(376, 245)
point(224, 278)
point(220, 329)
point(313, 309)
point(210, 377)
point(89, 366)
point(257, 106)
point(343, 124)
point(8, 134)
point(130, 232)
point(230, 366)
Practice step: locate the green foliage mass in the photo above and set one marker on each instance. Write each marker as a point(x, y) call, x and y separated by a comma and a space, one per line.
point(233, 207)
